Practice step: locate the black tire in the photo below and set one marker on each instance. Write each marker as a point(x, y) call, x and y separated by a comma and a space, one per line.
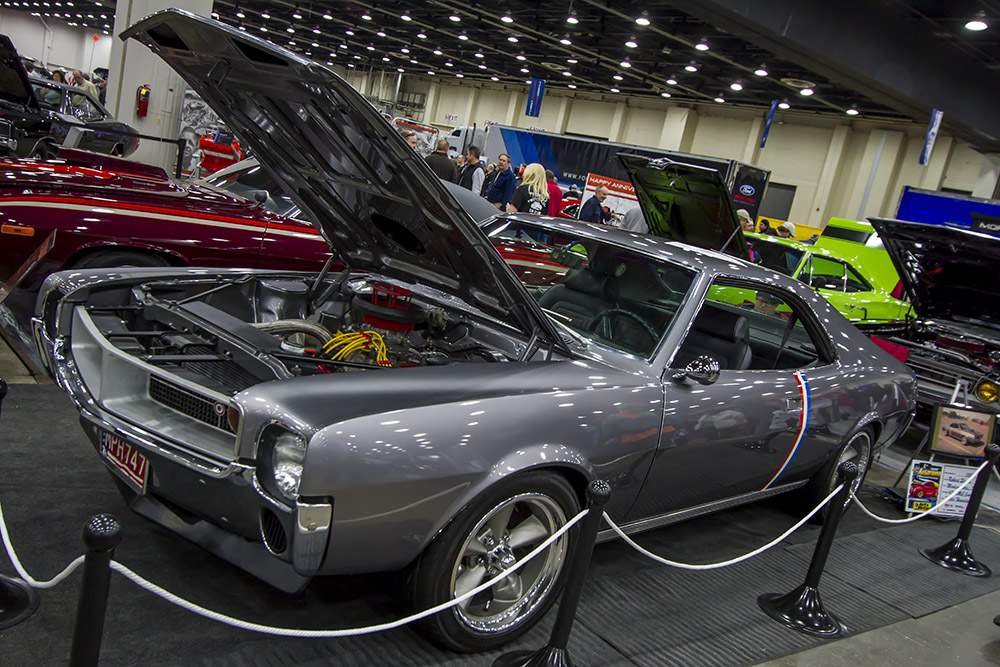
point(43, 151)
point(111, 258)
point(825, 479)
point(542, 497)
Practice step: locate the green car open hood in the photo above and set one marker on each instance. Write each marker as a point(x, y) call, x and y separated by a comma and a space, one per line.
point(686, 203)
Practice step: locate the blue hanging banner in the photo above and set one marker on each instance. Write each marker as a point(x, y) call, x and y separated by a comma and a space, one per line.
point(767, 125)
point(932, 132)
point(535, 92)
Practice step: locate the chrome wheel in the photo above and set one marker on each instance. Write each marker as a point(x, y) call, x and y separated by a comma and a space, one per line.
point(501, 538)
point(859, 451)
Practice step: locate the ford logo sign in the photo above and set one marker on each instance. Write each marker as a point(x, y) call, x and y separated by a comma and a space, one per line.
point(747, 190)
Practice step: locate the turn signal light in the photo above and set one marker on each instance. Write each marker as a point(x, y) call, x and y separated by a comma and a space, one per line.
point(233, 417)
point(988, 391)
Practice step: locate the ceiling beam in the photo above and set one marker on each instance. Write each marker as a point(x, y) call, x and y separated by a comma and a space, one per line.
point(866, 47)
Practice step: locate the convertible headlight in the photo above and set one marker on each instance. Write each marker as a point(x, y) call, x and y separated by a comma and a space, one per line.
point(988, 391)
point(286, 463)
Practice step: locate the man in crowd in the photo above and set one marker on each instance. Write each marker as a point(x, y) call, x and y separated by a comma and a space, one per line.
point(635, 221)
point(502, 187)
point(410, 136)
point(593, 211)
point(746, 222)
point(765, 228)
point(555, 193)
point(786, 230)
point(80, 81)
point(441, 164)
point(474, 174)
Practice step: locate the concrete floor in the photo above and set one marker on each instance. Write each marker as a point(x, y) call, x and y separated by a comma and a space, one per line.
point(961, 635)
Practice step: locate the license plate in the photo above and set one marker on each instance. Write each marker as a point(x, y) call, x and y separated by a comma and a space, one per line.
point(125, 461)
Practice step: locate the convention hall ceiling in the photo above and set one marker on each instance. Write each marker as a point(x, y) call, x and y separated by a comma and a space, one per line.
point(648, 48)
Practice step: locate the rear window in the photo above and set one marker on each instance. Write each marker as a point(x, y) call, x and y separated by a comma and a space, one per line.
point(854, 235)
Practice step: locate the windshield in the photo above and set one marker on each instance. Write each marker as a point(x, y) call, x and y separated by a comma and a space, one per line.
point(248, 182)
point(775, 256)
point(601, 291)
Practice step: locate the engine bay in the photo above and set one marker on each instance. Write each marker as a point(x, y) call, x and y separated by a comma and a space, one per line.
point(228, 335)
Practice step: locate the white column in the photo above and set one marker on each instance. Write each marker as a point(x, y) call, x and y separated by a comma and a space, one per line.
point(617, 122)
point(133, 65)
point(989, 173)
point(933, 173)
point(817, 213)
point(678, 129)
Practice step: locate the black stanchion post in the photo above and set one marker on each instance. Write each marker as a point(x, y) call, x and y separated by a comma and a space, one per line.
point(956, 554)
point(556, 653)
point(18, 600)
point(101, 535)
point(802, 609)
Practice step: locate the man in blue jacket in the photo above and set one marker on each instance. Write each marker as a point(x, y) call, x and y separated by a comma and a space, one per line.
point(502, 187)
point(592, 211)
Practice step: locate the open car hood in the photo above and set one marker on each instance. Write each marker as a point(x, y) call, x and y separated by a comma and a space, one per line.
point(14, 84)
point(377, 203)
point(949, 273)
point(686, 203)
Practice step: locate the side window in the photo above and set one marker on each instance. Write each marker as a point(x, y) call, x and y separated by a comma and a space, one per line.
point(830, 274)
point(48, 98)
point(775, 256)
point(748, 327)
point(84, 109)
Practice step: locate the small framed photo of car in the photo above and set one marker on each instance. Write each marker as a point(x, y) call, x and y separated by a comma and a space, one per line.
point(961, 431)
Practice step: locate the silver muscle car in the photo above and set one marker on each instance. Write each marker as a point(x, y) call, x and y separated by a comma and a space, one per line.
point(427, 402)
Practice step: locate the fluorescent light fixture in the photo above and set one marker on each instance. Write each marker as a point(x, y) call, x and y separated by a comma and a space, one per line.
point(852, 112)
point(691, 67)
point(615, 90)
point(784, 105)
point(701, 46)
point(664, 94)
point(977, 22)
point(720, 100)
point(760, 71)
point(736, 85)
point(455, 17)
point(643, 19)
point(672, 82)
point(632, 44)
point(507, 18)
point(806, 92)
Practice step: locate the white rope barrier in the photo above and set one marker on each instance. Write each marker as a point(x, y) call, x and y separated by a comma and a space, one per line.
point(27, 578)
point(725, 563)
point(351, 632)
point(922, 513)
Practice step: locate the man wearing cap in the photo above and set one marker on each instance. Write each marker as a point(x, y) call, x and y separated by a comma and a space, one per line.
point(786, 230)
point(746, 222)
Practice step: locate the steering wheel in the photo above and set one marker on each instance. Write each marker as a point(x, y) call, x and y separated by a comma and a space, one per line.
point(608, 314)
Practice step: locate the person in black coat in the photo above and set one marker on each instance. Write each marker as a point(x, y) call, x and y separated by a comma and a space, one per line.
point(441, 164)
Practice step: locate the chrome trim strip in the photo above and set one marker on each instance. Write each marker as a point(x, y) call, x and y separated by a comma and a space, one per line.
point(677, 516)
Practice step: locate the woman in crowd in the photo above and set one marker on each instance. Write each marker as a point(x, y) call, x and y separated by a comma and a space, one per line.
point(532, 196)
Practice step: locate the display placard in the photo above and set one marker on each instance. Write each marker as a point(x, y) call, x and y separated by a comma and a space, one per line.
point(930, 483)
point(621, 194)
point(961, 431)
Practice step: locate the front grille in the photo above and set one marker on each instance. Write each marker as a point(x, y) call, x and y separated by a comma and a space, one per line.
point(272, 532)
point(939, 372)
point(187, 402)
point(229, 375)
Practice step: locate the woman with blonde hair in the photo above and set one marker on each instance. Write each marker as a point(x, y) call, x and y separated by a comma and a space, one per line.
point(532, 196)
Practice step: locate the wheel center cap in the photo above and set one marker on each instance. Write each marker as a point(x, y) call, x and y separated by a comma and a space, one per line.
point(501, 557)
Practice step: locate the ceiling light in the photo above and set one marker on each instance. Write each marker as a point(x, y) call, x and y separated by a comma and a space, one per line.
point(328, 17)
point(385, 59)
point(626, 64)
point(421, 35)
point(512, 39)
point(400, 69)
point(672, 82)
point(380, 33)
point(463, 37)
point(263, 29)
point(413, 60)
point(524, 69)
point(761, 71)
point(479, 55)
point(289, 29)
point(317, 31)
point(265, 15)
point(520, 56)
point(567, 73)
point(691, 67)
point(482, 66)
point(296, 15)
point(571, 18)
point(404, 50)
point(572, 86)
point(431, 72)
point(784, 105)
point(349, 32)
point(240, 14)
point(506, 18)
point(455, 17)
point(618, 77)
point(494, 78)
point(370, 47)
point(405, 17)
point(565, 41)
point(736, 85)
point(720, 99)
point(852, 112)
point(459, 75)
point(806, 91)
point(343, 46)
point(449, 64)
point(701, 46)
point(643, 19)
point(572, 61)
point(977, 22)
point(664, 94)
point(528, 82)
point(437, 52)
point(631, 43)
point(365, 17)
point(615, 90)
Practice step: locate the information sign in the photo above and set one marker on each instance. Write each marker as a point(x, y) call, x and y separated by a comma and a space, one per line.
point(930, 483)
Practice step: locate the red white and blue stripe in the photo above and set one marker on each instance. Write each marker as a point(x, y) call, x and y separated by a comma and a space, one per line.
point(800, 433)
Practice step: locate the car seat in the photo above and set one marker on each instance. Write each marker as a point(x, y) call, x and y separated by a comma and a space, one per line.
point(582, 294)
point(720, 334)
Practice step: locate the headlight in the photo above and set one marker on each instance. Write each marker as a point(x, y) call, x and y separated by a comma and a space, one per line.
point(987, 391)
point(286, 463)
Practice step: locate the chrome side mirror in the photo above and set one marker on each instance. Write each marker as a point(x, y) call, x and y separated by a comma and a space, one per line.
point(703, 370)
